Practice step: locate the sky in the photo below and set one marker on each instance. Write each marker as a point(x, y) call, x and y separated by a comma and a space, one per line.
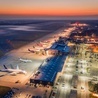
point(49, 7)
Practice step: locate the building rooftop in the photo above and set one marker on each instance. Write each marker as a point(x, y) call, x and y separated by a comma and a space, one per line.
point(60, 47)
point(48, 70)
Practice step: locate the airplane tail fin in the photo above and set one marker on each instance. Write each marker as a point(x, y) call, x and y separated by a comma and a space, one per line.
point(5, 67)
point(12, 66)
point(17, 67)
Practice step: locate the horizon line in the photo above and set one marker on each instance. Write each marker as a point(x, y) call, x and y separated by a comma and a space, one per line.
point(31, 15)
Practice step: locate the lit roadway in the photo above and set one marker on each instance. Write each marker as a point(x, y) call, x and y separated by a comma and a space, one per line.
point(83, 92)
point(65, 82)
point(64, 87)
point(82, 87)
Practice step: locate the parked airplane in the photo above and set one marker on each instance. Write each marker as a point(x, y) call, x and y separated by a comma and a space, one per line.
point(13, 71)
point(25, 60)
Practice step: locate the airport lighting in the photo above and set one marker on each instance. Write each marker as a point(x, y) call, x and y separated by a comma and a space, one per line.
point(67, 76)
point(67, 86)
point(70, 65)
point(83, 77)
point(69, 69)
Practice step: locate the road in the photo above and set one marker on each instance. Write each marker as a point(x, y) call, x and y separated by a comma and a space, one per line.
point(64, 87)
point(83, 87)
point(65, 81)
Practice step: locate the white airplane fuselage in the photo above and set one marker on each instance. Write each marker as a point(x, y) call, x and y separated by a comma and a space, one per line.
point(14, 70)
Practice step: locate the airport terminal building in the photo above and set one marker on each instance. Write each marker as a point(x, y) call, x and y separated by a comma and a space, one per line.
point(48, 70)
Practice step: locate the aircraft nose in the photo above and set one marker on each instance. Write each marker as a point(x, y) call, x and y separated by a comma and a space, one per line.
point(25, 72)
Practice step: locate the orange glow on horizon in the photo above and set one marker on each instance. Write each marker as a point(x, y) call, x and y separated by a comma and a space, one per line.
point(49, 12)
point(49, 7)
